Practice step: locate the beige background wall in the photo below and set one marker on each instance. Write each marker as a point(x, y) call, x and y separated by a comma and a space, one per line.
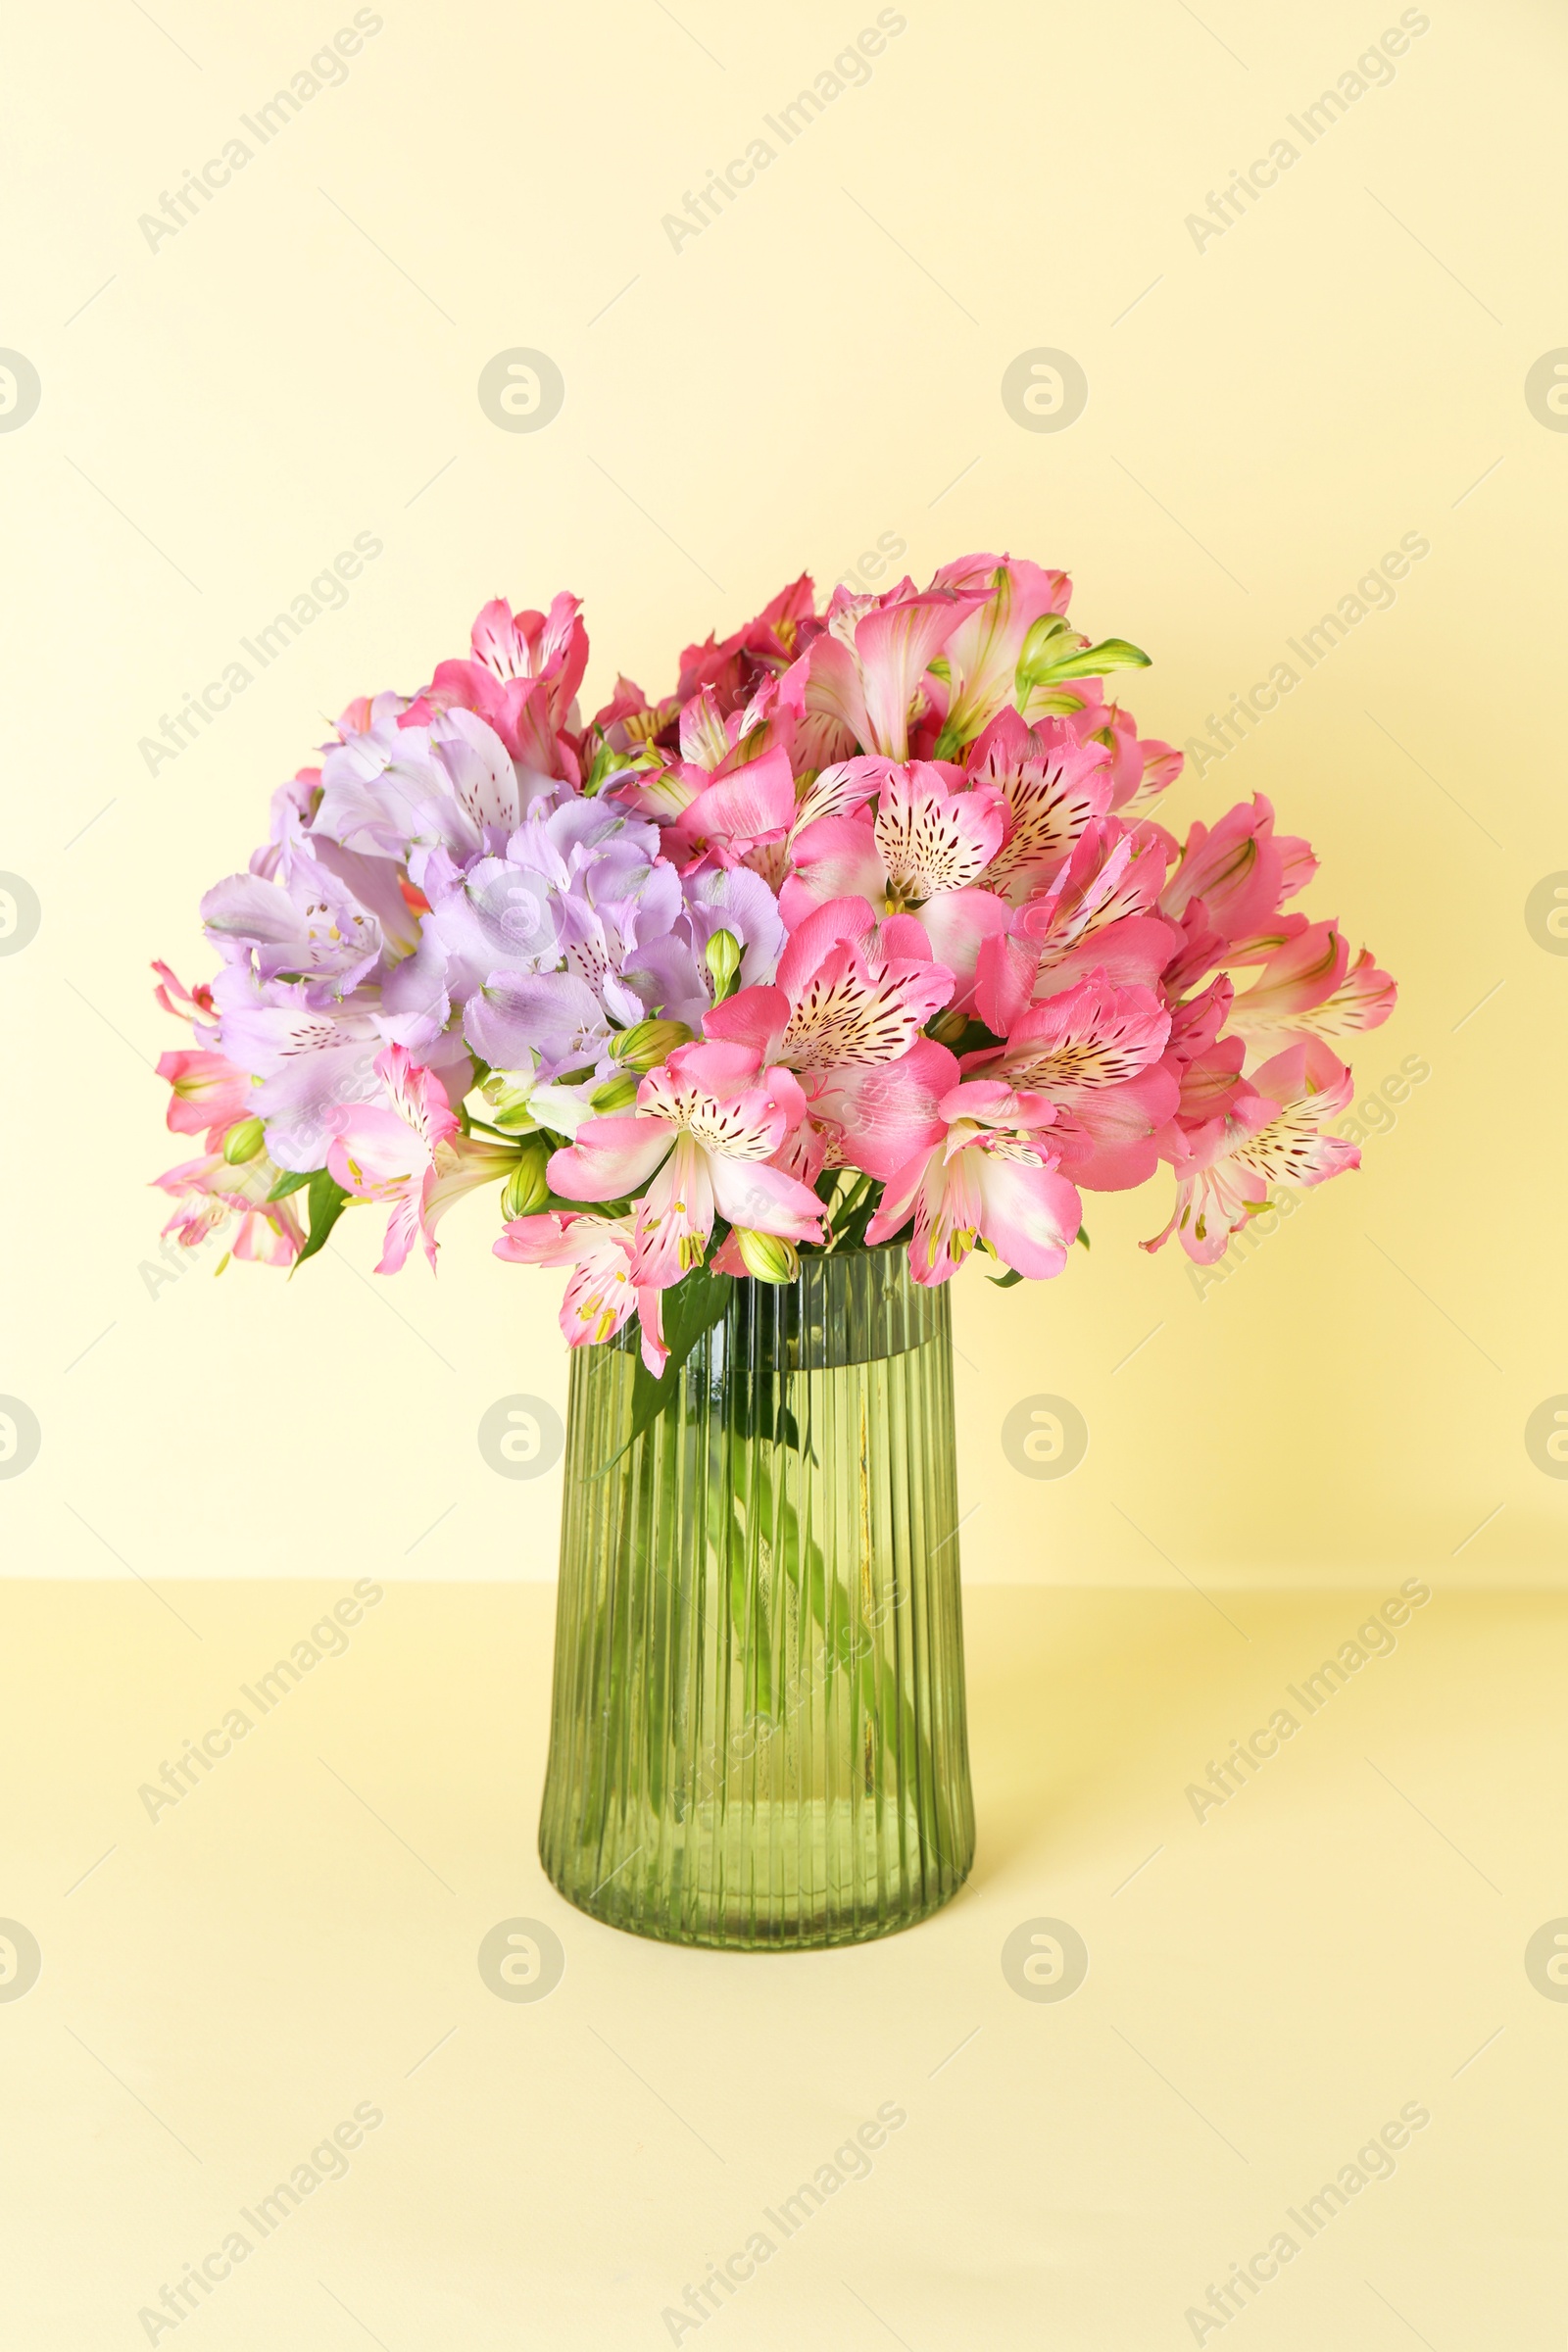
point(1375, 1922)
point(821, 367)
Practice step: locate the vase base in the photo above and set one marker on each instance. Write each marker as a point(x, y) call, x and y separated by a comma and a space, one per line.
point(813, 1932)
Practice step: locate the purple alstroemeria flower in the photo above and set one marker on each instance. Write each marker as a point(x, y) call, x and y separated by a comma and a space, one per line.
point(550, 1021)
point(308, 924)
point(543, 952)
point(313, 1052)
point(402, 792)
point(372, 881)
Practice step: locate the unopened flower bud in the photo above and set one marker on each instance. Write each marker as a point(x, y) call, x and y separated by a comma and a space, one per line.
point(949, 1026)
point(509, 1093)
point(616, 1094)
point(723, 963)
point(646, 1043)
point(1048, 643)
point(527, 1188)
point(769, 1257)
point(242, 1143)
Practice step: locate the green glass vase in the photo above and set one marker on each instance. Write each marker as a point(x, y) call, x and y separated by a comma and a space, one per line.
point(758, 1735)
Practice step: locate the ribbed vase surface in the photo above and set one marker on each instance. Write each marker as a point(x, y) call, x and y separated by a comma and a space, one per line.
point(757, 1730)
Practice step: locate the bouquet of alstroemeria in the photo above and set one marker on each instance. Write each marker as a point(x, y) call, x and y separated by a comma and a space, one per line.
point(866, 931)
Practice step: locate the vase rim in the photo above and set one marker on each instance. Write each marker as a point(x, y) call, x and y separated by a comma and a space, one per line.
point(818, 1257)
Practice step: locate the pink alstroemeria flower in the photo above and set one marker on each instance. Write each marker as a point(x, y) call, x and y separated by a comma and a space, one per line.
point(1142, 767)
point(602, 1291)
point(522, 680)
point(1207, 1067)
point(1095, 916)
point(194, 1004)
point(1308, 987)
point(989, 1177)
point(981, 655)
point(209, 1191)
point(920, 852)
point(1094, 1051)
point(1113, 873)
point(412, 1157)
point(850, 989)
point(1271, 1134)
point(1054, 788)
point(731, 792)
point(1242, 871)
point(845, 1014)
point(863, 668)
point(763, 648)
point(707, 1122)
point(209, 1094)
point(743, 810)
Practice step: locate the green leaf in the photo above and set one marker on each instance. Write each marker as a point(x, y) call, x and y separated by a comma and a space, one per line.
point(691, 1308)
point(1050, 639)
point(852, 1235)
point(327, 1200)
point(1005, 1282)
point(289, 1182)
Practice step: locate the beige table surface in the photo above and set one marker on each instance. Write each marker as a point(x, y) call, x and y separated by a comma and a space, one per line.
point(296, 1939)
